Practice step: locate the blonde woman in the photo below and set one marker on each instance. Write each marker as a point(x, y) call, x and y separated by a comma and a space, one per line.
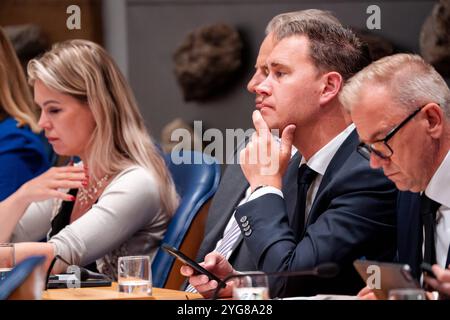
point(124, 202)
point(23, 152)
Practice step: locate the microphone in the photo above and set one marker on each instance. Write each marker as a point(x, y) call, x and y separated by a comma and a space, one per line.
point(81, 273)
point(324, 270)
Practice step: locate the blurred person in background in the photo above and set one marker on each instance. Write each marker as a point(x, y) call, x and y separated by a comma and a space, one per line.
point(24, 154)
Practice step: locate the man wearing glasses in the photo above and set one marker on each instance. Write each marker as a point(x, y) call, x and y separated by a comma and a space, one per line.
point(401, 108)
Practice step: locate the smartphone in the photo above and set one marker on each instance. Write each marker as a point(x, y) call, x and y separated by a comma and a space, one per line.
point(198, 269)
point(427, 270)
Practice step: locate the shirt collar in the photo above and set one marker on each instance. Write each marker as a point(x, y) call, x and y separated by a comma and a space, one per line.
point(438, 189)
point(322, 158)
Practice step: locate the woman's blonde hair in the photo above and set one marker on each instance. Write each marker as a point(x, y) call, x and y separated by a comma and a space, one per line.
point(84, 70)
point(15, 94)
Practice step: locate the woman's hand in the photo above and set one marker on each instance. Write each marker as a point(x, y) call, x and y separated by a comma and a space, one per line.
point(40, 188)
point(47, 184)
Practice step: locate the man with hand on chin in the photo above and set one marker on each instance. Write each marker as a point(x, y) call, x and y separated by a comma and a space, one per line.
point(344, 210)
point(222, 233)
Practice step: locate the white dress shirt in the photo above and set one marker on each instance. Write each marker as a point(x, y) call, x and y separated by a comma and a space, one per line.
point(319, 162)
point(439, 190)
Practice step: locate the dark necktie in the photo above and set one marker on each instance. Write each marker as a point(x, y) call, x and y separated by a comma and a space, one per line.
point(428, 210)
point(447, 263)
point(304, 179)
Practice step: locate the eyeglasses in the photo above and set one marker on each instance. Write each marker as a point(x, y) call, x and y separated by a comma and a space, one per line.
point(380, 147)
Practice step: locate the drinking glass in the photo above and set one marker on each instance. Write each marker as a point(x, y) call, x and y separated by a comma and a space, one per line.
point(407, 294)
point(251, 287)
point(7, 259)
point(134, 274)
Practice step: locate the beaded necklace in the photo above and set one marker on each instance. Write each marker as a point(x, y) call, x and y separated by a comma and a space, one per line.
point(88, 194)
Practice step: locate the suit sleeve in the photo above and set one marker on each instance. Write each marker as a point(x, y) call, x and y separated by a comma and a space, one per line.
point(357, 219)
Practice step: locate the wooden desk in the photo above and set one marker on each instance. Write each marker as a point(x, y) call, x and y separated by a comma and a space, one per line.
point(112, 293)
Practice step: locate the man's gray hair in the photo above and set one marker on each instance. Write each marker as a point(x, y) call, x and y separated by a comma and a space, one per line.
point(410, 81)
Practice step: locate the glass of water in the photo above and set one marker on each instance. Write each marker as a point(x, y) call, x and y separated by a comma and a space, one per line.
point(134, 275)
point(7, 259)
point(252, 286)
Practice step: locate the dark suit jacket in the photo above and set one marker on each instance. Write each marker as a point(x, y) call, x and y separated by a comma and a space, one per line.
point(352, 216)
point(230, 192)
point(409, 231)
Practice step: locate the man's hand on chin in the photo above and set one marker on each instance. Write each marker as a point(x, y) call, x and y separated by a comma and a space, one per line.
point(264, 161)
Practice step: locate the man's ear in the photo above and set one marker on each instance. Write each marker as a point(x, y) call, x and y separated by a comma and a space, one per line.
point(331, 85)
point(435, 120)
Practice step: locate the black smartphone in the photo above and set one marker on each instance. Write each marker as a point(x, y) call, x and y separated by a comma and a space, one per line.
point(198, 269)
point(427, 270)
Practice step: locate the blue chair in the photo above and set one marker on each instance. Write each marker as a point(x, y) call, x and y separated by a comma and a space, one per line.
point(18, 275)
point(196, 183)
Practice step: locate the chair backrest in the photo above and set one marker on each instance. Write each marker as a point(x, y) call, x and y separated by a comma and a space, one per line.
point(196, 181)
point(19, 275)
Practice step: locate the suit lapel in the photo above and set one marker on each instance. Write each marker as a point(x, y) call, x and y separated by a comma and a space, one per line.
point(409, 230)
point(290, 186)
point(448, 258)
point(344, 151)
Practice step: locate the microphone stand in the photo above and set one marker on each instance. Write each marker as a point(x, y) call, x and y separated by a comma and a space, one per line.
point(84, 273)
point(325, 270)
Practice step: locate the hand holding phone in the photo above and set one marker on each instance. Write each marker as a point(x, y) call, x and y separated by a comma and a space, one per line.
point(392, 276)
point(198, 269)
point(427, 270)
